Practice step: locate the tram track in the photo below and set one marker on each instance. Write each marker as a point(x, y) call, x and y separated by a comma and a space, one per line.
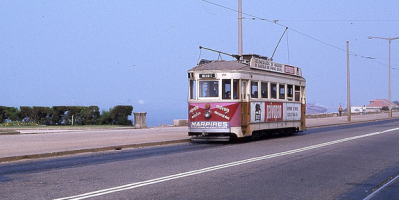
point(391, 180)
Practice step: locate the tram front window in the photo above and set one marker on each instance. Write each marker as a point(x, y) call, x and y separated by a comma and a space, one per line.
point(193, 95)
point(208, 89)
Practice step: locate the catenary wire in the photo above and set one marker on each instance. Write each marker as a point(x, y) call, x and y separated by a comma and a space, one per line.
point(253, 17)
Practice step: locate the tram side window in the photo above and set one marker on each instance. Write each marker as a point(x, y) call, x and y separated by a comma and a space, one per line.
point(226, 89)
point(208, 88)
point(273, 92)
point(264, 87)
point(282, 91)
point(193, 94)
point(254, 89)
point(290, 92)
point(236, 90)
point(297, 93)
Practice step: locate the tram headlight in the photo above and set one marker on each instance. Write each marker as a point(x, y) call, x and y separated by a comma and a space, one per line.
point(207, 114)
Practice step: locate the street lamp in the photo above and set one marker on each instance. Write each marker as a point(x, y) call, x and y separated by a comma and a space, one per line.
point(390, 100)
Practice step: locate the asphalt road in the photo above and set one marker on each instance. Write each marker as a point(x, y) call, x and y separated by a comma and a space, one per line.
point(341, 162)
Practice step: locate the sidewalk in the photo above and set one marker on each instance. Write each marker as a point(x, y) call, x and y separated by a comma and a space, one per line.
point(330, 121)
point(49, 142)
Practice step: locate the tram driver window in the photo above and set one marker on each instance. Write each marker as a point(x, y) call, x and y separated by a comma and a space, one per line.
point(254, 89)
point(282, 91)
point(273, 91)
point(208, 89)
point(226, 89)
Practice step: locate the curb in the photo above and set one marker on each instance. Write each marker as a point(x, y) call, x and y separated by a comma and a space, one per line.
point(63, 153)
point(10, 133)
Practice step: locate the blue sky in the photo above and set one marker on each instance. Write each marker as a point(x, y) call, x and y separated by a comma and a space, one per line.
point(109, 53)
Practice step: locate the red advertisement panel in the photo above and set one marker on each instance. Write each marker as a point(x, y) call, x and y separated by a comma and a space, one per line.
point(274, 112)
point(214, 112)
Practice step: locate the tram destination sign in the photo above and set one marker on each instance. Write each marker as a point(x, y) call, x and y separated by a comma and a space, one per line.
point(207, 75)
point(268, 65)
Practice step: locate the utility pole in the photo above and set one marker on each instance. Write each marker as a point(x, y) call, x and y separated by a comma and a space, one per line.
point(240, 49)
point(390, 100)
point(348, 83)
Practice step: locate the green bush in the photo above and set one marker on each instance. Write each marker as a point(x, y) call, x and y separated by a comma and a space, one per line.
point(58, 115)
point(120, 115)
point(26, 114)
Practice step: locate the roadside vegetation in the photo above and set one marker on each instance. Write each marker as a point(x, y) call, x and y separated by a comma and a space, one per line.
point(64, 115)
point(18, 124)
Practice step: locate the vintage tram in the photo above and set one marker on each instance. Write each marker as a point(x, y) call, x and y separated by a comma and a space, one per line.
point(247, 97)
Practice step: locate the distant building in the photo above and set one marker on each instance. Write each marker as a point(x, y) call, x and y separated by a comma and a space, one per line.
point(378, 104)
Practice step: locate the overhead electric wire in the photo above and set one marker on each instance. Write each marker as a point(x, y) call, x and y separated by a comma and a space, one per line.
point(339, 20)
point(303, 34)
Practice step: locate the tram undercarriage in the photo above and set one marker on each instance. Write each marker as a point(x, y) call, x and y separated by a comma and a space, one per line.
point(212, 137)
point(226, 137)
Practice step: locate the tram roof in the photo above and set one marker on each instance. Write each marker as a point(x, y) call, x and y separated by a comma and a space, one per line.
point(222, 65)
point(250, 62)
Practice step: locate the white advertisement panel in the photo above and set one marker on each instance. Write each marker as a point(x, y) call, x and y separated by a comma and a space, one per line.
point(275, 111)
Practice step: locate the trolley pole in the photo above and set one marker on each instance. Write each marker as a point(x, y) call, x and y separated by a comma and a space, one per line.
point(240, 49)
point(348, 82)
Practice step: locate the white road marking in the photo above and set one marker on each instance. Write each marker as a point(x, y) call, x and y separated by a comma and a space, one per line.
point(217, 167)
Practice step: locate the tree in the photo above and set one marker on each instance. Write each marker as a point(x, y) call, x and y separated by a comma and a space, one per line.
point(26, 114)
point(105, 117)
point(71, 111)
point(58, 114)
point(2, 114)
point(120, 115)
point(42, 115)
point(90, 115)
point(11, 113)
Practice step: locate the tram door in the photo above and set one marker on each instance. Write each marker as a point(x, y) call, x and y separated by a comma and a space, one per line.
point(245, 108)
point(303, 108)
